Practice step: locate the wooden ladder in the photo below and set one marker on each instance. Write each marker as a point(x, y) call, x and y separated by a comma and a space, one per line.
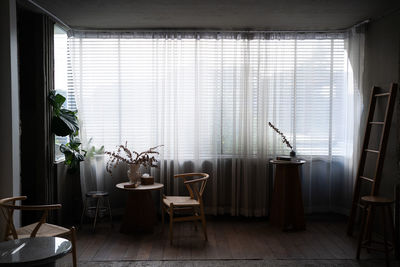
point(380, 153)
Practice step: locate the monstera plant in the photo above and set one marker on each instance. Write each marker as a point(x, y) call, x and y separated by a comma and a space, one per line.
point(65, 123)
point(73, 153)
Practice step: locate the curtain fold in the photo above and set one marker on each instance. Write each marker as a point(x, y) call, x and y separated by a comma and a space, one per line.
point(208, 99)
point(48, 80)
point(36, 80)
point(355, 45)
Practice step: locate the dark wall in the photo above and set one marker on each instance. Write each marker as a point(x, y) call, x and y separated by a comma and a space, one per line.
point(382, 67)
point(9, 106)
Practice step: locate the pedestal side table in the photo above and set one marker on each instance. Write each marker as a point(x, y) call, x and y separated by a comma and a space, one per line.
point(140, 213)
point(287, 211)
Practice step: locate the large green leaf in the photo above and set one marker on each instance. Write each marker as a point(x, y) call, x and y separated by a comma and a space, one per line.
point(56, 100)
point(65, 149)
point(64, 121)
point(78, 156)
point(65, 124)
point(74, 142)
point(72, 156)
point(59, 127)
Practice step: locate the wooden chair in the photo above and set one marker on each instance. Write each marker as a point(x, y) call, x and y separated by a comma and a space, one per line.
point(39, 229)
point(192, 203)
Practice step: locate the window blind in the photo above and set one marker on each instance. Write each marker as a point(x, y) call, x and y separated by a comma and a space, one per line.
point(212, 96)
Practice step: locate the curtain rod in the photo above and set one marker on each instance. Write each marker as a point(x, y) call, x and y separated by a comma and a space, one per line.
point(68, 28)
point(59, 21)
point(151, 30)
point(201, 30)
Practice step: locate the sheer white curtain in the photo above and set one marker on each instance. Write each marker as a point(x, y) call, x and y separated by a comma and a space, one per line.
point(208, 99)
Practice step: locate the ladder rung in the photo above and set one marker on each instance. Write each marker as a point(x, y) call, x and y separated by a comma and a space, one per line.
point(366, 178)
point(371, 150)
point(383, 94)
point(377, 122)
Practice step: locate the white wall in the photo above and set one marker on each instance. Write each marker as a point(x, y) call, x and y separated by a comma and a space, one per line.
point(9, 104)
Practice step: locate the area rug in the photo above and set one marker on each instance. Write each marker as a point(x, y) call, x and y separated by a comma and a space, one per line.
point(237, 263)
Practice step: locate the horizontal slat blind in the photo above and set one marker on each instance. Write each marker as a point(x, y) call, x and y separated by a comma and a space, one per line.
point(207, 97)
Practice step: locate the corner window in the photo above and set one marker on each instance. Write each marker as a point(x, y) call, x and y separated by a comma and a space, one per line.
point(60, 80)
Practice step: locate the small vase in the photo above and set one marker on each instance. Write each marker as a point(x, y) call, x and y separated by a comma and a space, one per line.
point(292, 153)
point(133, 173)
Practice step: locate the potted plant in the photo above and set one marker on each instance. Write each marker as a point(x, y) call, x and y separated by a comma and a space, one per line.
point(133, 159)
point(65, 123)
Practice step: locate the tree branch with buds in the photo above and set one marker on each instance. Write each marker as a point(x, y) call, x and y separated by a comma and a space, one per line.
point(284, 139)
point(124, 154)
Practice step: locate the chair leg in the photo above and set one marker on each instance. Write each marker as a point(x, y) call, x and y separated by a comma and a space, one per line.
point(385, 241)
point(73, 242)
point(362, 230)
point(83, 212)
point(163, 211)
point(195, 221)
point(171, 222)
point(370, 219)
point(162, 214)
point(203, 221)
point(95, 216)
point(109, 211)
point(391, 223)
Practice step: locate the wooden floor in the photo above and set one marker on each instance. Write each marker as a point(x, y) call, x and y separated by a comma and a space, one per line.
point(229, 238)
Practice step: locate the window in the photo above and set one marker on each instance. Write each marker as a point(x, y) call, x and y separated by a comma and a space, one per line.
point(61, 81)
point(213, 95)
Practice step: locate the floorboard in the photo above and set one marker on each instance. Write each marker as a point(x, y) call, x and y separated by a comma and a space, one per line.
point(229, 238)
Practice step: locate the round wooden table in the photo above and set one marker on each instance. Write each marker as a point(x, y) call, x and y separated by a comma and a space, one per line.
point(37, 251)
point(287, 211)
point(140, 213)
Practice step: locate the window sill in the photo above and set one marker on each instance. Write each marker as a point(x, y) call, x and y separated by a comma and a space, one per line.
point(58, 161)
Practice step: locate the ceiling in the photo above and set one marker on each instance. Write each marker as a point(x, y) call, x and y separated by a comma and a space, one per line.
point(313, 15)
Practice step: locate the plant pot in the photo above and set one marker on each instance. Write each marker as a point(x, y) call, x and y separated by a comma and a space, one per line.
point(68, 195)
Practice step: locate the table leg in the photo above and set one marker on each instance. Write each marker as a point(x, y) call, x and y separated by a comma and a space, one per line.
point(140, 213)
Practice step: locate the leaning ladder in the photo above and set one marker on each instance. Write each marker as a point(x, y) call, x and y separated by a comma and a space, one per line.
point(380, 153)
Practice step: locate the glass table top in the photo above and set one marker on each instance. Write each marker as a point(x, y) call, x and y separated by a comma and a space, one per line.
point(36, 250)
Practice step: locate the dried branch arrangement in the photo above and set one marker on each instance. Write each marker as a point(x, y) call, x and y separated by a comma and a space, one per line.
point(124, 154)
point(284, 139)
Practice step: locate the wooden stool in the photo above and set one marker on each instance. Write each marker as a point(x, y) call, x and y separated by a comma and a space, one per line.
point(98, 196)
point(373, 202)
